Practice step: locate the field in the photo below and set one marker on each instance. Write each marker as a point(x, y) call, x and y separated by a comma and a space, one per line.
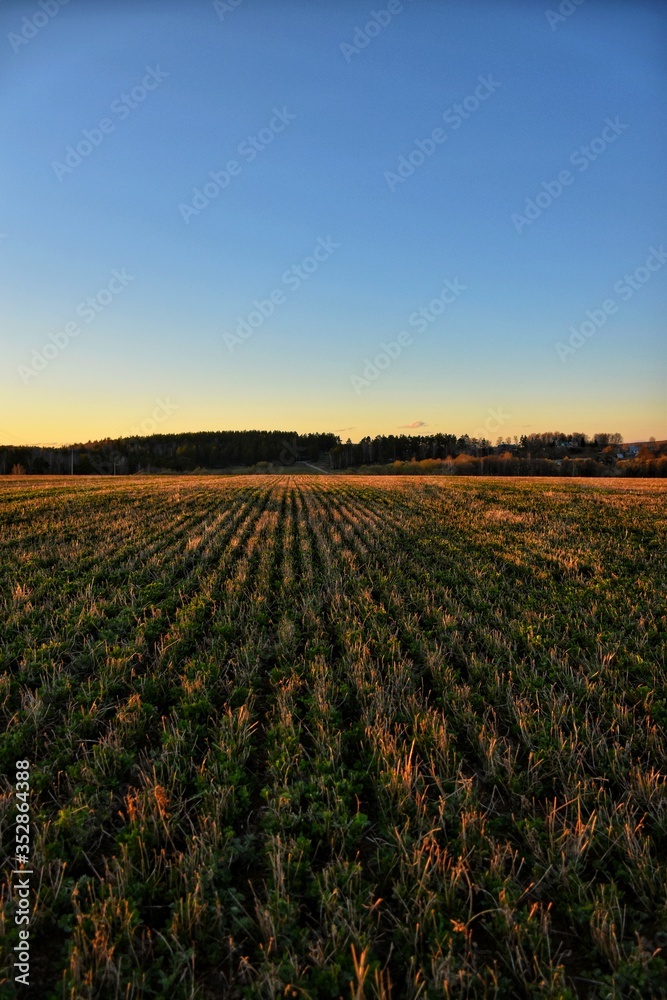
point(325, 737)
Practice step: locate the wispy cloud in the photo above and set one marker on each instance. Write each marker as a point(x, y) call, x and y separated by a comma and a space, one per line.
point(413, 426)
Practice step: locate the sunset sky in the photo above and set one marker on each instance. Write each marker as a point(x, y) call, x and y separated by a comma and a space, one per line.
point(451, 189)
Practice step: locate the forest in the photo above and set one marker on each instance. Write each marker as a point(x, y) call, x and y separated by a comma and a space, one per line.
point(537, 454)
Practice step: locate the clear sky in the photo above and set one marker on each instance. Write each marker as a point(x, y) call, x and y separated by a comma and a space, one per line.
point(498, 166)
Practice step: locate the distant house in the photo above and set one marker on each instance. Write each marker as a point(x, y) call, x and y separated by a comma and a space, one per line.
point(633, 450)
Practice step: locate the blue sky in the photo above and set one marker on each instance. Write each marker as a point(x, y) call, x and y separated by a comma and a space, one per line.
point(334, 97)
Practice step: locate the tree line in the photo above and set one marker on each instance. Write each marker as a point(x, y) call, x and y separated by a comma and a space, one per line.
point(168, 452)
point(546, 453)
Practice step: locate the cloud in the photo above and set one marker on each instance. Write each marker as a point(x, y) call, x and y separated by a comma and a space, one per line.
point(414, 425)
point(339, 430)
